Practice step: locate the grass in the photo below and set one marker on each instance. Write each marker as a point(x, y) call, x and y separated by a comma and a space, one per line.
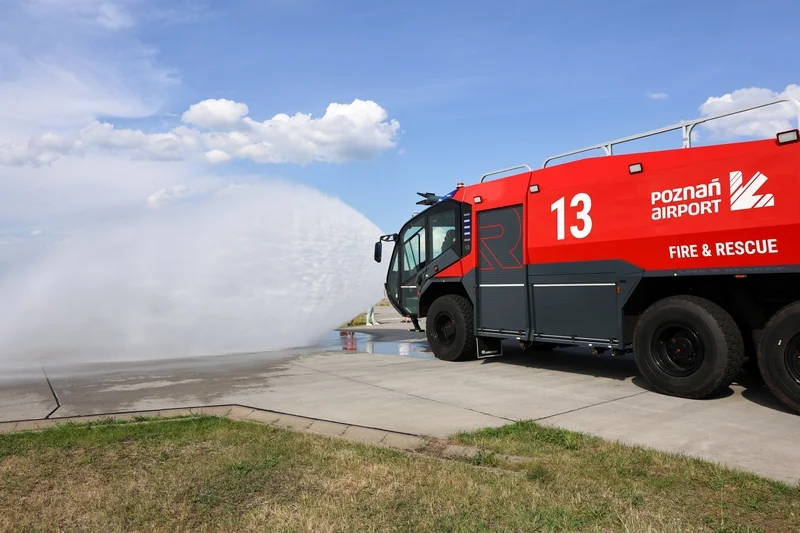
point(359, 320)
point(647, 490)
point(213, 474)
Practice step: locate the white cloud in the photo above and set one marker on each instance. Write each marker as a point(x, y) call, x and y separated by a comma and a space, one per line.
point(764, 122)
point(112, 15)
point(70, 69)
point(158, 198)
point(657, 96)
point(58, 93)
point(60, 67)
point(214, 114)
point(355, 131)
point(217, 156)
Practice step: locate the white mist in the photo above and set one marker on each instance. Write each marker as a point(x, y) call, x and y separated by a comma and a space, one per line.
point(251, 268)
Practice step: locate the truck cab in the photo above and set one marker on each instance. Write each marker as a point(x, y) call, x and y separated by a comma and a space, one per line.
point(428, 245)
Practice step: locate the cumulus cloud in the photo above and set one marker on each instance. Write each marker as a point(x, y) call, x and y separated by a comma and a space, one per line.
point(217, 156)
point(220, 113)
point(764, 122)
point(223, 130)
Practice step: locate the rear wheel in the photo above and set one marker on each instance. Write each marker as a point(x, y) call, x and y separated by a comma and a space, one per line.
point(449, 328)
point(688, 346)
point(779, 355)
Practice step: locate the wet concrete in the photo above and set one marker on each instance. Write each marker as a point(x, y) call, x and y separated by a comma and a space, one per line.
point(25, 399)
point(383, 377)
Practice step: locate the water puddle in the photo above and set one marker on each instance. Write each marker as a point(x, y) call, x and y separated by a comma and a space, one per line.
point(348, 341)
point(351, 341)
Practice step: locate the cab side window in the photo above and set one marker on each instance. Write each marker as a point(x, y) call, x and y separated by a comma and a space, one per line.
point(443, 232)
point(413, 249)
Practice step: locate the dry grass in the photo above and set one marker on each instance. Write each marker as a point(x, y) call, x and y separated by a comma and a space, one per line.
point(210, 474)
point(646, 490)
point(360, 320)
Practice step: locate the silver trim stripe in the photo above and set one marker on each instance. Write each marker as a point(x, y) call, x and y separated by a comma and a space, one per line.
point(501, 285)
point(574, 284)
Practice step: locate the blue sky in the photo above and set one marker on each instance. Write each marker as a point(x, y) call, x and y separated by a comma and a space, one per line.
point(474, 86)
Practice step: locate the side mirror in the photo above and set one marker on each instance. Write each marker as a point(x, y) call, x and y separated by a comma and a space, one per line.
point(378, 251)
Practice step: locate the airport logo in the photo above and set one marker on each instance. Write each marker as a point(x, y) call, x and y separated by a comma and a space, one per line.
point(744, 195)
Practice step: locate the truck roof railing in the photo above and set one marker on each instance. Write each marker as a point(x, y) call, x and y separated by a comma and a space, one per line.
point(492, 173)
point(685, 126)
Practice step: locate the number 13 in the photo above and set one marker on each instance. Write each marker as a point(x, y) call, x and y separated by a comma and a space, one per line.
point(583, 214)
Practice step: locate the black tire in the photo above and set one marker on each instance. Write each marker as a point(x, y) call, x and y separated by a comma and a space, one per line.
point(779, 355)
point(450, 328)
point(688, 324)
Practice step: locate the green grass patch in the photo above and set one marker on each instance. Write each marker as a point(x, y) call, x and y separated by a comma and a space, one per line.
point(688, 493)
point(212, 474)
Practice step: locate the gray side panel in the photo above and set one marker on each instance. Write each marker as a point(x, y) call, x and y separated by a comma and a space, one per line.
point(432, 282)
point(501, 274)
point(581, 310)
point(502, 309)
point(578, 302)
point(470, 285)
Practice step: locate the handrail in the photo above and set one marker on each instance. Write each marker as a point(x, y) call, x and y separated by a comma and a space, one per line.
point(686, 128)
point(504, 170)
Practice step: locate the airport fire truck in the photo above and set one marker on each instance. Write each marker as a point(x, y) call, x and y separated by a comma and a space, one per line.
point(689, 258)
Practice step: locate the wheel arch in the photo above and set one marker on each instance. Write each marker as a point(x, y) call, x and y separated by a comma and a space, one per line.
point(434, 289)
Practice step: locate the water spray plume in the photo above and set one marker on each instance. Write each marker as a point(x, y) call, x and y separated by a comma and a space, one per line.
point(250, 268)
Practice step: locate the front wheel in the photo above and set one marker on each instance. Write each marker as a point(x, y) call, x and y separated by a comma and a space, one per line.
point(688, 346)
point(779, 355)
point(449, 328)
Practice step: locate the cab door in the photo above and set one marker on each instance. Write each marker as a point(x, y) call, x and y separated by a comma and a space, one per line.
point(502, 294)
point(412, 261)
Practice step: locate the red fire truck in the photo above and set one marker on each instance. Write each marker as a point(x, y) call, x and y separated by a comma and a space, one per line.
point(689, 258)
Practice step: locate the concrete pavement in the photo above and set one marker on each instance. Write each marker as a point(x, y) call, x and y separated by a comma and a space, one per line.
point(388, 381)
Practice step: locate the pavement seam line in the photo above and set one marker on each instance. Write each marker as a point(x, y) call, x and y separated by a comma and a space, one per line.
point(590, 406)
point(156, 412)
point(406, 393)
point(175, 412)
point(53, 392)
